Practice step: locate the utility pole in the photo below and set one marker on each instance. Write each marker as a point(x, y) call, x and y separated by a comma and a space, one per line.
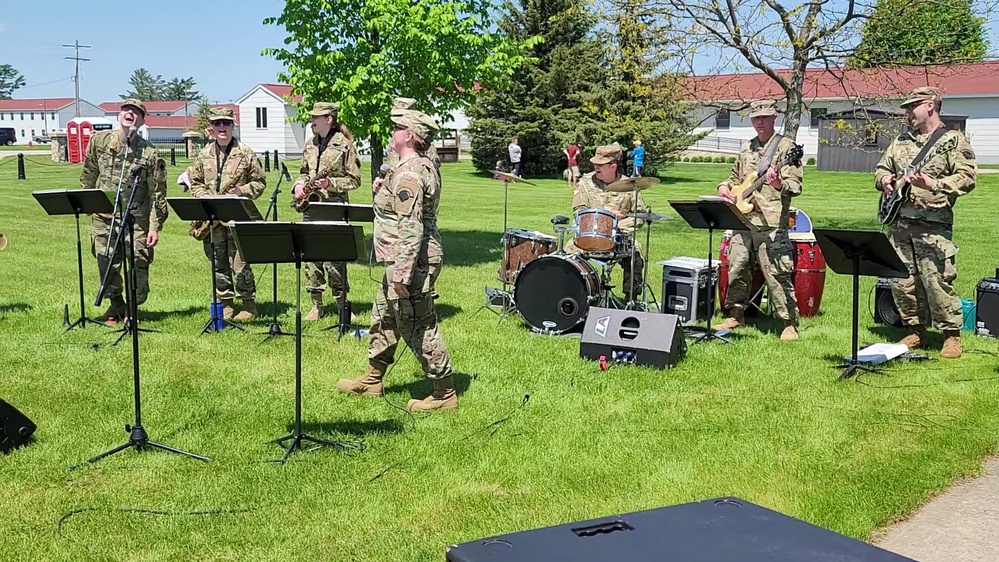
point(76, 45)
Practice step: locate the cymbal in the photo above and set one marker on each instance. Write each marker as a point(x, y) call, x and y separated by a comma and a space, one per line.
point(510, 177)
point(651, 217)
point(631, 184)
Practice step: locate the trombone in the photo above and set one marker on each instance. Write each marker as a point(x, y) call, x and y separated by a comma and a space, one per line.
point(3, 241)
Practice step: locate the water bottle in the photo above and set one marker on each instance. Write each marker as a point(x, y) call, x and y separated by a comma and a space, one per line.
point(217, 322)
point(360, 333)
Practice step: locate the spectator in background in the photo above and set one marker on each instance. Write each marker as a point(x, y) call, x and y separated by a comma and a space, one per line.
point(637, 158)
point(515, 153)
point(571, 155)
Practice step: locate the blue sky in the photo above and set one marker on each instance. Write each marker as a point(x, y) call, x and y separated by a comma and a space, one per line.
point(218, 43)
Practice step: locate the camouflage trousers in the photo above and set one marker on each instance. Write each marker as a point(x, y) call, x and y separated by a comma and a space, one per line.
point(412, 319)
point(773, 251)
point(100, 239)
point(629, 283)
point(928, 294)
point(229, 266)
point(318, 273)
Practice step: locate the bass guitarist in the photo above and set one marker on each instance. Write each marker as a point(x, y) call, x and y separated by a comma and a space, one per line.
point(923, 230)
point(771, 204)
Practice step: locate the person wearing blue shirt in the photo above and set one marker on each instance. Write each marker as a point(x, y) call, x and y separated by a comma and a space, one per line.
point(637, 158)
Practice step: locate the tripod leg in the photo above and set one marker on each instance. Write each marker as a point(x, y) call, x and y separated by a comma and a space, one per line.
point(175, 450)
point(112, 451)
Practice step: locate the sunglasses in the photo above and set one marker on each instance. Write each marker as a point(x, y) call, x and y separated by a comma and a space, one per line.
point(223, 123)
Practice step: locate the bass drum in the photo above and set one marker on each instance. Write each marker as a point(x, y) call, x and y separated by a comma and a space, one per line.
point(554, 293)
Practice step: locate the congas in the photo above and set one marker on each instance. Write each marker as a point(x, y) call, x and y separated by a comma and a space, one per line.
point(554, 293)
point(595, 230)
point(756, 289)
point(521, 247)
point(809, 275)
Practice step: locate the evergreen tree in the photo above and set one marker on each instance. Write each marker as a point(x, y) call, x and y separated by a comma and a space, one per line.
point(543, 105)
point(902, 32)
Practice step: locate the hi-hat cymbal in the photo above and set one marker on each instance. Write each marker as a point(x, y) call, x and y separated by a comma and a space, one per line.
point(651, 217)
point(631, 184)
point(510, 177)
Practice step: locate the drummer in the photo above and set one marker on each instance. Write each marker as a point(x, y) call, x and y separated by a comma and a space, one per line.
point(591, 193)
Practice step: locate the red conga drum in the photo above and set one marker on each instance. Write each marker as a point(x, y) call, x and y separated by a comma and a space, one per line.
point(809, 275)
point(723, 251)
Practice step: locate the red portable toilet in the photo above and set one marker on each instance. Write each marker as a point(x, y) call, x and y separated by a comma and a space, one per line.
point(79, 130)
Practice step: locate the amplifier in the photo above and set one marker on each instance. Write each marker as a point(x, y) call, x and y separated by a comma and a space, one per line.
point(885, 311)
point(687, 286)
point(987, 306)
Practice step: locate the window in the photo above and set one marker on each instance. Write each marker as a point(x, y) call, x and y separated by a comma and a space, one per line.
point(816, 113)
point(22, 116)
point(723, 119)
point(53, 116)
point(31, 116)
point(261, 117)
point(32, 132)
point(22, 133)
point(1, 116)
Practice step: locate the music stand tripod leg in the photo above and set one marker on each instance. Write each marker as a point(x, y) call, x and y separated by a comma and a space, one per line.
point(851, 367)
point(709, 333)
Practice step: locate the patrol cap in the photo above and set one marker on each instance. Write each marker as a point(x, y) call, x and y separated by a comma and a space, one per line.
point(321, 108)
point(921, 94)
point(403, 103)
point(221, 114)
point(762, 108)
point(606, 154)
point(421, 124)
point(136, 104)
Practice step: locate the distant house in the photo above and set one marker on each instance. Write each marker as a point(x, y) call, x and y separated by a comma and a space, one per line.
point(41, 116)
point(970, 90)
point(166, 121)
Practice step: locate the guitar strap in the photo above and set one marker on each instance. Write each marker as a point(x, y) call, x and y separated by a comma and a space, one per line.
point(768, 154)
point(929, 144)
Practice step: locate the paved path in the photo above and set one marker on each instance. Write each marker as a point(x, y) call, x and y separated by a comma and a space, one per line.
point(7, 153)
point(960, 525)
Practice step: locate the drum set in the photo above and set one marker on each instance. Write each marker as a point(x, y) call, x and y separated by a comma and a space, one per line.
point(555, 287)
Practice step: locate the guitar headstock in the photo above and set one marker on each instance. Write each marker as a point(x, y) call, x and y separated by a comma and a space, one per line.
point(794, 155)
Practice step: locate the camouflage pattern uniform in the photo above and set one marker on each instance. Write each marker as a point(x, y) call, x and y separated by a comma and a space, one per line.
point(335, 158)
point(923, 233)
point(590, 194)
point(241, 174)
point(770, 247)
point(101, 169)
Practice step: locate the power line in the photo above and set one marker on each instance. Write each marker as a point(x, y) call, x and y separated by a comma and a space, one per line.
point(76, 45)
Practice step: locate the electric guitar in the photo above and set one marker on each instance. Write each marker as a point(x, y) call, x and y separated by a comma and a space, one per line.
point(888, 207)
point(753, 182)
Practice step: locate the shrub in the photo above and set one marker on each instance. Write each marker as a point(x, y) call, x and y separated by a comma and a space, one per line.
point(811, 161)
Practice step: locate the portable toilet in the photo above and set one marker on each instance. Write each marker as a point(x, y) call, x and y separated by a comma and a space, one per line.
point(79, 130)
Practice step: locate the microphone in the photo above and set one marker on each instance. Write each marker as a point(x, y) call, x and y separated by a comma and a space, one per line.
point(383, 170)
point(284, 172)
point(131, 133)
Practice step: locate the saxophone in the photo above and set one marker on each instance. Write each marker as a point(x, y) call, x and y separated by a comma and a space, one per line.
point(314, 194)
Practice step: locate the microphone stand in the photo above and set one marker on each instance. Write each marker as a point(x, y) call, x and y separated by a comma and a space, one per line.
point(117, 201)
point(274, 329)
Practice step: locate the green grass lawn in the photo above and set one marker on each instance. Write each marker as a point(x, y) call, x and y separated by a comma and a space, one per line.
point(761, 420)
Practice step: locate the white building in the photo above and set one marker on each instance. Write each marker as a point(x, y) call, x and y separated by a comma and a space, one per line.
point(31, 118)
point(971, 90)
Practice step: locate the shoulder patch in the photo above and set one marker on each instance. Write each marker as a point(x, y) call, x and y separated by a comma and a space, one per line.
point(404, 195)
point(968, 154)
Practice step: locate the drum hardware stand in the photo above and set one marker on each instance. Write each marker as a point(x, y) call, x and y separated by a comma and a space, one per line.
point(274, 329)
point(509, 305)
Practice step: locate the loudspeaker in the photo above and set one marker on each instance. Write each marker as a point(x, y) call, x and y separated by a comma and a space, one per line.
point(987, 306)
point(15, 428)
point(885, 311)
point(633, 337)
point(723, 529)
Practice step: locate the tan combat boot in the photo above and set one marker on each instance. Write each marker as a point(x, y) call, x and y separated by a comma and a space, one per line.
point(443, 397)
point(317, 307)
point(790, 332)
point(227, 309)
point(117, 309)
point(952, 344)
point(249, 311)
point(736, 320)
point(368, 384)
point(915, 338)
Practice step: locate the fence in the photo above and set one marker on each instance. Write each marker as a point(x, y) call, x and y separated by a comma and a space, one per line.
point(717, 144)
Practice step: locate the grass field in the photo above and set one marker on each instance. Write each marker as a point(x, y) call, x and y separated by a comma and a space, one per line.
point(760, 420)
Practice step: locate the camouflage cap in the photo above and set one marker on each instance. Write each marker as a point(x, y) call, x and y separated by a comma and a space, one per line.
point(921, 94)
point(403, 103)
point(421, 124)
point(221, 114)
point(136, 104)
point(607, 154)
point(762, 108)
point(321, 108)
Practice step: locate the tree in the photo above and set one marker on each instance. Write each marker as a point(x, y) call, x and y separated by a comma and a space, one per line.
point(10, 80)
point(145, 86)
point(180, 89)
point(364, 54)
point(204, 108)
point(549, 102)
point(941, 31)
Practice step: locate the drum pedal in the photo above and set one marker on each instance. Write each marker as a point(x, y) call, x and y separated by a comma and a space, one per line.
point(497, 297)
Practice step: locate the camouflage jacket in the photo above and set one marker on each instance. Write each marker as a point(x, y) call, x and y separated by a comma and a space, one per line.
point(771, 206)
point(405, 230)
point(392, 159)
point(102, 167)
point(590, 194)
point(954, 173)
point(241, 172)
point(339, 162)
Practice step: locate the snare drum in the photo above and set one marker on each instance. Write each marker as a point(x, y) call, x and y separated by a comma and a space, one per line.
point(521, 247)
point(595, 230)
point(554, 293)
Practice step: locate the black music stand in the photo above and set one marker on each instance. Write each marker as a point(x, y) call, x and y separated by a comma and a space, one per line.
point(274, 329)
point(711, 213)
point(342, 212)
point(285, 242)
point(75, 202)
point(223, 208)
point(856, 253)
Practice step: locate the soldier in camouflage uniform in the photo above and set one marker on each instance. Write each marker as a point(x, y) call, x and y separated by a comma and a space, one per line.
point(102, 169)
point(330, 168)
point(770, 246)
point(405, 225)
point(923, 232)
point(228, 167)
point(590, 194)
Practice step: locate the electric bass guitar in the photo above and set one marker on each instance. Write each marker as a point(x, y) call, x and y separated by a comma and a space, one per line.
point(888, 207)
point(753, 182)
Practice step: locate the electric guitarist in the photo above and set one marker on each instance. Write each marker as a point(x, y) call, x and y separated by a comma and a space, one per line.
point(765, 156)
point(922, 230)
